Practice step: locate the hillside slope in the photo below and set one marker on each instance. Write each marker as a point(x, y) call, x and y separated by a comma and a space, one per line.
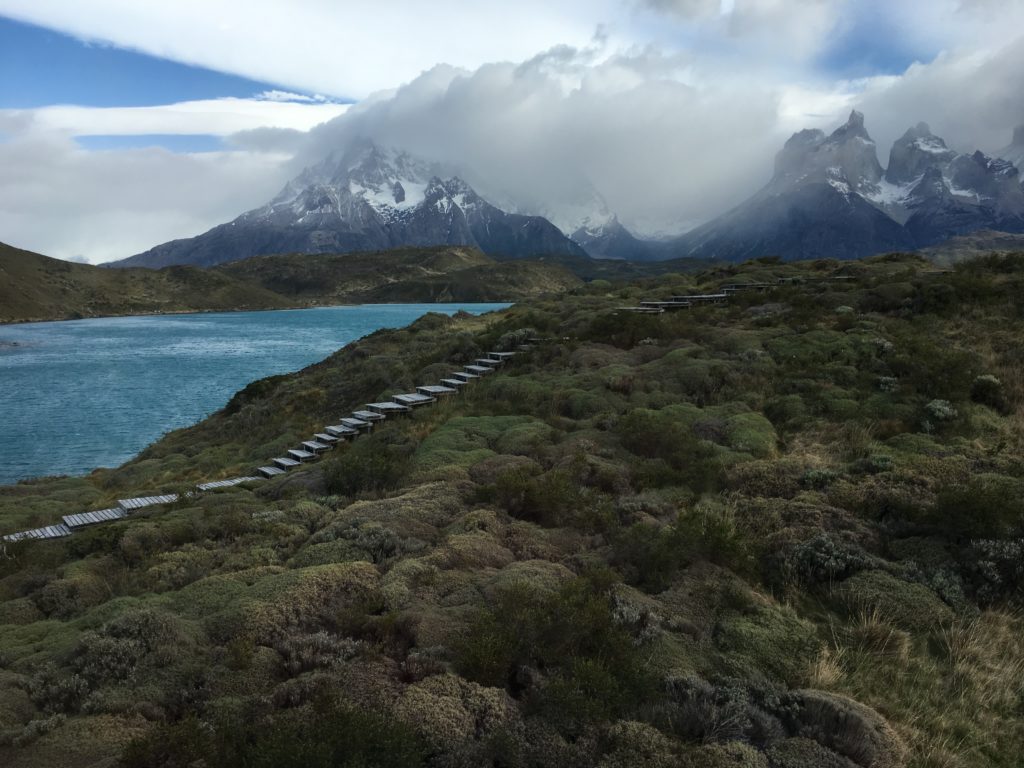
point(406, 274)
point(780, 532)
point(35, 287)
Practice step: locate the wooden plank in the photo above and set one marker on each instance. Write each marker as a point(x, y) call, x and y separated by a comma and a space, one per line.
point(453, 382)
point(285, 463)
point(388, 407)
point(315, 447)
point(358, 424)
point(436, 390)
point(478, 370)
point(146, 501)
point(46, 532)
point(225, 483)
point(269, 472)
point(323, 437)
point(340, 431)
point(92, 518)
point(414, 399)
point(300, 455)
point(368, 416)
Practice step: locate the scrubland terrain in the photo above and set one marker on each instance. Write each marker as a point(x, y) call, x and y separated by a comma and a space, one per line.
point(780, 533)
point(35, 287)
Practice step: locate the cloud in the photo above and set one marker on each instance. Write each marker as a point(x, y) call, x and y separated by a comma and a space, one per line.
point(687, 9)
point(63, 201)
point(671, 111)
point(217, 117)
point(343, 49)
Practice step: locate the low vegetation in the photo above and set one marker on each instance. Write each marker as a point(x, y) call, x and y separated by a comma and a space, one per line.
point(786, 532)
point(34, 287)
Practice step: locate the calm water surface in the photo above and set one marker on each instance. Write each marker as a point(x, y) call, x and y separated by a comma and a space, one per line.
point(82, 394)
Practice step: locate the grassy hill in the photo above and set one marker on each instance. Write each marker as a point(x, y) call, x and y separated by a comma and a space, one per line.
point(406, 274)
point(784, 532)
point(34, 287)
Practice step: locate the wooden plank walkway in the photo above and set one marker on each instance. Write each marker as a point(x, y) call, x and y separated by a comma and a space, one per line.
point(367, 416)
point(83, 519)
point(436, 390)
point(129, 505)
point(414, 399)
point(357, 424)
point(225, 483)
point(388, 407)
point(46, 532)
point(315, 446)
point(350, 427)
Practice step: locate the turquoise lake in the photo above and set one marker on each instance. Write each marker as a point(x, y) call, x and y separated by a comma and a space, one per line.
point(81, 394)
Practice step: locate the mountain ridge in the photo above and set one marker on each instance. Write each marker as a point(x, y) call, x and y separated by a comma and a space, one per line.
point(34, 287)
point(366, 199)
point(830, 197)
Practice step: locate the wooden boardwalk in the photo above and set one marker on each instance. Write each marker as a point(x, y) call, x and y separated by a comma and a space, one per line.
point(349, 427)
point(225, 483)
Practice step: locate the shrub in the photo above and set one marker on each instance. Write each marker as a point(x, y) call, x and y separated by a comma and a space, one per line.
point(374, 463)
point(904, 604)
point(988, 390)
point(940, 410)
point(996, 568)
point(655, 435)
point(823, 560)
point(592, 667)
point(986, 507)
point(325, 735)
point(54, 691)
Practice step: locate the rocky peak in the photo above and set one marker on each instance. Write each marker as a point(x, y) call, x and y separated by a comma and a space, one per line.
point(846, 159)
point(852, 129)
point(914, 152)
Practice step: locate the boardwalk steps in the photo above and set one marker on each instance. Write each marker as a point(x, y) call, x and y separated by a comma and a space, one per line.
point(360, 422)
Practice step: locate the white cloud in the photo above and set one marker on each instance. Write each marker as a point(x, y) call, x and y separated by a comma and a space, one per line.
point(63, 201)
point(347, 49)
point(218, 117)
point(673, 111)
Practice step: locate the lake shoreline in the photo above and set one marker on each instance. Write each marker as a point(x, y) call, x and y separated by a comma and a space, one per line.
point(114, 387)
point(173, 312)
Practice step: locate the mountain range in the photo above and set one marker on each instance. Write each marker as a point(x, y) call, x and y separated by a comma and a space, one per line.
point(367, 199)
point(829, 197)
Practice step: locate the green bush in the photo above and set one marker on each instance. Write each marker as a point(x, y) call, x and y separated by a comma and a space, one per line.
point(326, 735)
point(372, 464)
point(594, 669)
point(904, 604)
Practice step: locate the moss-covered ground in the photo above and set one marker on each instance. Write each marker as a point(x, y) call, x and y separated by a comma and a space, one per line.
point(785, 532)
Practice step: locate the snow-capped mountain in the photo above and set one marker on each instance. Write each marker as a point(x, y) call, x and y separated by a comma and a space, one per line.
point(369, 198)
point(830, 197)
point(582, 214)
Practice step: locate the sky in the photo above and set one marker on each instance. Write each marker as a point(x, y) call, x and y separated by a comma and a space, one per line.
point(127, 124)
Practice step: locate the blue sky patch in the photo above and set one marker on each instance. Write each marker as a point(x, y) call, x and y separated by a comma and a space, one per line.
point(42, 67)
point(172, 142)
